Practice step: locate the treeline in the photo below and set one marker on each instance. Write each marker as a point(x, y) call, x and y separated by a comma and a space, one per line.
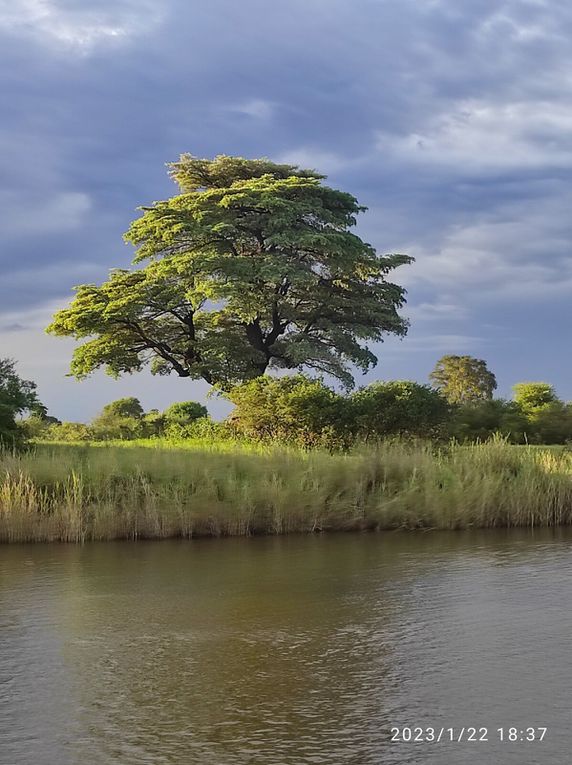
point(125, 420)
point(308, 413)
point(303, 412)
point(298, 410)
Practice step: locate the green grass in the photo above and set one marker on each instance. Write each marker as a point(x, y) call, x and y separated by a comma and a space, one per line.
point(158, 490)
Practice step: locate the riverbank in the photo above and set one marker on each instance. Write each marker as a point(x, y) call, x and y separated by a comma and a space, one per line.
point(76, 493)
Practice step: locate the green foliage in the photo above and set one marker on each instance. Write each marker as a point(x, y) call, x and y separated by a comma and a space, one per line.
point(480, 420)
point(92, 493)
point(124, 407)
point(202, 429)
point(69, 431)
point(399, 407)
point(549, 420)
point(121, 419)
point(463, 379)
point(37, 426)
point(533, 396)
point(552, 424)
point(192, 174)
point(180, 418)
point(16, 396)
point(253, 266)
point(184, 412)
point(152, 424)
point(293, 410)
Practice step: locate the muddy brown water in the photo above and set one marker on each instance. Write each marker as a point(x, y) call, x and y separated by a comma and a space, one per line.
point(288, 651)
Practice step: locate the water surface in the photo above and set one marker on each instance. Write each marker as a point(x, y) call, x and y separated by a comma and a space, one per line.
point(286, 651)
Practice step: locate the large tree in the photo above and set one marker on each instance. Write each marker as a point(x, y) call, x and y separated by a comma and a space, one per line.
point(252, 266)
point(463, 379)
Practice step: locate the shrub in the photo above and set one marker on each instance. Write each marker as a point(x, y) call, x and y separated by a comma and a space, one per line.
point(479, 421)
point(69, 431)
point(398, 408)
point(121, 419)
point(292, 409)
point(184, 413)
point(201, 428)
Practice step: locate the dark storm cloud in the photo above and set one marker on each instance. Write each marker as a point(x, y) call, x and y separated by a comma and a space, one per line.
point(451, 121)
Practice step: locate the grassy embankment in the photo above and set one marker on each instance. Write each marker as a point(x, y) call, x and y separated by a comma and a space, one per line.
point(76, 493)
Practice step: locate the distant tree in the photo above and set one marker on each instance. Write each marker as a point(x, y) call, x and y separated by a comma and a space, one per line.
point(69, 432)
point(480, 420)
point(184, 412)
point(152, 424)
point(533, 396)
point(290, 409)
point(16, 396)
point(252, 266)
point(463, 379)
point(399, 407)
point(38, 425)
point(124, 407)
point(121, 419)
point(549, 420)
point(552, 424)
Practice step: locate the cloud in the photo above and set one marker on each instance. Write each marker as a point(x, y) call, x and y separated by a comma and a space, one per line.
point(434, 343)
point(483, 137)
point(76, 24)
point(451, 121)
point(22, 215)
point(257, 108)
point(29, 287)
point(313, 159)
point(28, 319)
point(521, 250)
point(442, 311)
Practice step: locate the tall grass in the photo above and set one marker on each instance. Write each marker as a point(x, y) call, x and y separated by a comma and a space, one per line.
point(84, 492)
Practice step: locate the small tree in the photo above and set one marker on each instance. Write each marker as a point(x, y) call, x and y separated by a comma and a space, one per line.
point(531, 397)
point(481, 420)
point(38, 426)
point(290, 409)
point(463, 379)
point(551, 424)
point(548, 418)
point(153, 424)
point(16, 396)
point(121, 419)
point(69, 431)
point(124, 407)
point(399, 407)
point(184, 413)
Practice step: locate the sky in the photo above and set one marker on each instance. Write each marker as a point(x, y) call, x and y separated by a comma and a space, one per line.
point(451, 121)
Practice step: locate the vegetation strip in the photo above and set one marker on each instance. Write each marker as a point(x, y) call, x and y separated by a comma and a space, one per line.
point(81, 492)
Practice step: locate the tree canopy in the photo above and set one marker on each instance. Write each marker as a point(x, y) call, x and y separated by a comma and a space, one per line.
point(533, 396)
point(184, 412)
point(252, 266)
point(16, 396)
point(124, 407)
point(398, 407)
point(292, 409)
point(463, 379)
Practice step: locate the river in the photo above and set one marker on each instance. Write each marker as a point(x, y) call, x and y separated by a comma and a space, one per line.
point(288, 651)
